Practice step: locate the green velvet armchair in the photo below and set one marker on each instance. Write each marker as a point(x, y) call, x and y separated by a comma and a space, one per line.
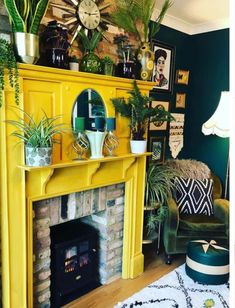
point(179, 229)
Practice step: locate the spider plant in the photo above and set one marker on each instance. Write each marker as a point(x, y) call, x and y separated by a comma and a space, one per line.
point(159, 186)
point(26, 15)
point(36, 135)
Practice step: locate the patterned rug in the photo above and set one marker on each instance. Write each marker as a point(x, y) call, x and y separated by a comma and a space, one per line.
point(177, 290)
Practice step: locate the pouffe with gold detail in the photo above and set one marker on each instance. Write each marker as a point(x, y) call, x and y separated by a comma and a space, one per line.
point(207, 262)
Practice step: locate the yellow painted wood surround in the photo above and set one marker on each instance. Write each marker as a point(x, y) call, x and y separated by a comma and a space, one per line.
point(55, 91)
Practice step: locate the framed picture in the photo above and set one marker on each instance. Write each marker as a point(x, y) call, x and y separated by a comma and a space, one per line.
point(164, 61)
point(180, 100)
point(157, 147)
point(159, 125)
point(182, 77)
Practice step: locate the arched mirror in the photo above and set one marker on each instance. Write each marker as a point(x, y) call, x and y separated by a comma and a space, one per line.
point(89, 105)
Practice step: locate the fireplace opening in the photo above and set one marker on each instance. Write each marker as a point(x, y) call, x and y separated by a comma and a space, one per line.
point(74, 266)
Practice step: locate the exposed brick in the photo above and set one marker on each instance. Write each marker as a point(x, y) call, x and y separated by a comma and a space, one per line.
point(41, 223)
point(43, 297)
point(43, 233)
point(54, 211)
point(42, 265)
point(42, 286)
point(41, 211)
point(43, 254)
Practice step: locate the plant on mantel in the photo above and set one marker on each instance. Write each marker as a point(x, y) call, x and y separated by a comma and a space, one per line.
point(139, 111)
point(38, 137)
point(8, 61)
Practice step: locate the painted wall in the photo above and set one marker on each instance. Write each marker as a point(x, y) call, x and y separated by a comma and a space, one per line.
point(207, 57)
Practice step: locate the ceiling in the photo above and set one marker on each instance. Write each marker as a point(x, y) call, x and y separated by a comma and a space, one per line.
point(196, 16)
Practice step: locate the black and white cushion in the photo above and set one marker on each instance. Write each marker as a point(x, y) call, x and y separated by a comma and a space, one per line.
point(194, 196)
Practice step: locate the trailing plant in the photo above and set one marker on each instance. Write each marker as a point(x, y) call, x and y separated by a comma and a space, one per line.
point(26, 15)
point(159, 186)
point(138, 110)
point(90, 44)
point(8, 60)
point(134, 17)
point(34, 134)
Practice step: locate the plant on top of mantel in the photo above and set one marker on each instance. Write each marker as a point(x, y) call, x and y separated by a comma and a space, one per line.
point(25, 17)
point(140, 113)
point(8, 60)
point(38, 137)
point(90, 62)
point(134, 17)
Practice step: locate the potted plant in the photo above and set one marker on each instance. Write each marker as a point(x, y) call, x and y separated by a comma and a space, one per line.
point(134, 17)
point(90, 62)
point(38, 137)
point(73, 63)
point(107, 65)
point(8, 60)
point(140, 113)
point(25, 18)
point(159, 186)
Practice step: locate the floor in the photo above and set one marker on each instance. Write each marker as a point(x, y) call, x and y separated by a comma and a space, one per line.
point(119, 290)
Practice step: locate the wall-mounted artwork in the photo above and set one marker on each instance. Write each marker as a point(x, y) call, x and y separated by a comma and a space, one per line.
point(159, 125)
point(182, 77)
point(164, 58)
point(157, 147)
point(180, 100)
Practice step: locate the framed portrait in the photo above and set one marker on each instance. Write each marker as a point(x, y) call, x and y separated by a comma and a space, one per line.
point(164, 61)
point(182, 77)
point(157, 147)
point(159, 125)
point(180, 100)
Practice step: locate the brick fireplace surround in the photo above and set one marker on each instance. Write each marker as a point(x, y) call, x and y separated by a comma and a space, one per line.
point(25, 191)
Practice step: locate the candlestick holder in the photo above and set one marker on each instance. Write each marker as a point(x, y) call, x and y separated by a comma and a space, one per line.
point(80, 144)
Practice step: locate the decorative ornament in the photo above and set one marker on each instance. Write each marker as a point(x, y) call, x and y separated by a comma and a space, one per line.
point(209, 303)
point(80, 145)
point(176, 139)
point(84, 14)
point(206, 245)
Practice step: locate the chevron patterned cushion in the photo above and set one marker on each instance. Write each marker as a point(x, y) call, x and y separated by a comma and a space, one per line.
point(194, 196)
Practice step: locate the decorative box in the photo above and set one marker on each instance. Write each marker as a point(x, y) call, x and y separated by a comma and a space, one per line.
point(207, 262)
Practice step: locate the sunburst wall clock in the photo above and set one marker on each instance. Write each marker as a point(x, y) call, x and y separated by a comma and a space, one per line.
point(84, 14)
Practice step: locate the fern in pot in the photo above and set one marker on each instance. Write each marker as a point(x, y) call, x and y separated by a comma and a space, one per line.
point(159, 186)
point(138, 110)
point(38, 137)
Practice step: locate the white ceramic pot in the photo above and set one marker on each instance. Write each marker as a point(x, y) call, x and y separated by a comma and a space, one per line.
point(96, 140)
point(73, 66)
point(38, 156)
point(138, 146)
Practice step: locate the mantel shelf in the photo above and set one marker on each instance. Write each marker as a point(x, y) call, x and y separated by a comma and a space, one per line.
point(75, 163)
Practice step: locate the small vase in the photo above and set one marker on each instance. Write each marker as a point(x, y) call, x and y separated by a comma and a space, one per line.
point(57, 57)
point(146, 59)
point(38, 156)
point(26, 47)
point(108, 69)
point(138, 146)
point(91, 63)
point(96, 140)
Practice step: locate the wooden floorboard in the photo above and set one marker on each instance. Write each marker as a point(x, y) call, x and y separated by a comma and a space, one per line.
point(109, 295)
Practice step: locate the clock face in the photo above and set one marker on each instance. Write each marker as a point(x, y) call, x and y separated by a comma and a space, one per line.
point(89, 14)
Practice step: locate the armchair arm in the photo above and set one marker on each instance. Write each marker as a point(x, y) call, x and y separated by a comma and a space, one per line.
point(221, 209)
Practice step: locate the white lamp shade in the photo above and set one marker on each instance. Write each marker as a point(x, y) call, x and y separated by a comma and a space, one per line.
point(218, 124)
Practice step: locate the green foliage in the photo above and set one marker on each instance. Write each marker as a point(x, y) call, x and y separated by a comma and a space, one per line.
point(90, 44)
point(73, 59)
point(26, 15)
point(134, 17)
point(159, 186)
point(107, 60)
point(139, 111)
point(7, 60)
point(34, 134)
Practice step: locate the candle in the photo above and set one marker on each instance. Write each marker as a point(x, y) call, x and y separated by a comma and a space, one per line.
point(79, 123)
point(99, 123)
point(111, 124)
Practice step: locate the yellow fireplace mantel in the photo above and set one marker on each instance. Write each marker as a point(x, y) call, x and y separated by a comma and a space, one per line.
point(55, 91)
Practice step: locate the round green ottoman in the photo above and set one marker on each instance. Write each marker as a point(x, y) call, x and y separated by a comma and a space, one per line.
point(207, 262)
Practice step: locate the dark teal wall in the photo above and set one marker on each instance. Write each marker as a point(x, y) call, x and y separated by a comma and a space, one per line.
point(206, 55)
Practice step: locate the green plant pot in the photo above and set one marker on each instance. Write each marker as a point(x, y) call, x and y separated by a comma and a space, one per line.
point(108, 69)
point(91, 63)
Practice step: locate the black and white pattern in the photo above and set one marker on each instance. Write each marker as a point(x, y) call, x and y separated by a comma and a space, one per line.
point(194, 196)
point(177, 290)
